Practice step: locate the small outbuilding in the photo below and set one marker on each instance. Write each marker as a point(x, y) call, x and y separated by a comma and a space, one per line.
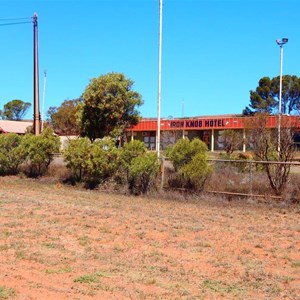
point(19, 127)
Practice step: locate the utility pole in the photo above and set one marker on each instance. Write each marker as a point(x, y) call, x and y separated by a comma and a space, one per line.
point(36, 115)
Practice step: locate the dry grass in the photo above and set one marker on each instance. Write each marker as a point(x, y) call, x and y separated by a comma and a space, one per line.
point(229, 178)
point(59, 242)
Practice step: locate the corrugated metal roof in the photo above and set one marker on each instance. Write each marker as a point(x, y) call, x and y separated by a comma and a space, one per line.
point(19, 127)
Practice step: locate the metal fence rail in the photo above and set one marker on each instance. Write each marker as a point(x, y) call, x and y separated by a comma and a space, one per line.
point(240, 178)
point(246, 174)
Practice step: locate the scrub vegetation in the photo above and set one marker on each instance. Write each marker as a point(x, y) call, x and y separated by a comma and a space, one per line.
point(132, 168)
point(30, 154)
point(59, 241)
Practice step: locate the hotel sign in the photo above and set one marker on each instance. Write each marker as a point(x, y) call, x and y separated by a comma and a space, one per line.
point(197, 123)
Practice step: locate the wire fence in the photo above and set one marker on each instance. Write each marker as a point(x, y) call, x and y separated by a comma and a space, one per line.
point(246, 178)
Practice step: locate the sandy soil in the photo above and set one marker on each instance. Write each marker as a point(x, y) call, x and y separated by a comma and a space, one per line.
point(59, 242)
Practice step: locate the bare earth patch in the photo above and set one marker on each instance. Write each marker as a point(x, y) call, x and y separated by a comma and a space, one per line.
point(58, 242)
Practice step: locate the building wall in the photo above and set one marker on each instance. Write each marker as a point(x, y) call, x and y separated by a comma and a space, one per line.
point(208, 129)
point(64, 140)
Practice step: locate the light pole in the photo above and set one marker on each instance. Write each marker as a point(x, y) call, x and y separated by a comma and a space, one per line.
point(159, 78)
point(280, 43)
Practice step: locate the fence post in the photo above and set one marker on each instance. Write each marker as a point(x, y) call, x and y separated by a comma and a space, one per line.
point(251, 180)
point(162, 172)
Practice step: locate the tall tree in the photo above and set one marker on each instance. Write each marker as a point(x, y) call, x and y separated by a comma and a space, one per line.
point(15, 110)
point(63, 118)
point(290, 99)
point(265, 99)
point(109, 106)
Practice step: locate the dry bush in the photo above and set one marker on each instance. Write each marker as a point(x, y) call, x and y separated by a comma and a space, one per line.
point(268, 147)
point(227, 178)
point(59, 171)
point(292, 193)
point(260, 183)
point(111, 186)
point(233, 140)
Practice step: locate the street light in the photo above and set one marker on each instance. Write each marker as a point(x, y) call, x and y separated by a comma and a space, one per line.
point(280, 43)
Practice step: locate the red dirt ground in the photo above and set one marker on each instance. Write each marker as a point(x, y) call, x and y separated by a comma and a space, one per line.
point(59, 242)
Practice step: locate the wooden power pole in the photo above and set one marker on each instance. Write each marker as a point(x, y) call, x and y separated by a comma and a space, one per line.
point(36, 114)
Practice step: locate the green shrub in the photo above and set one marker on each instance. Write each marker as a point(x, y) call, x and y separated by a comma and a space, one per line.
point(11, 153)
point(196, 172)
point(102, 161)
point(143, 171)
point(39, 151)
point(184, 150)
point(91, 162)
point(128, 152)
point(76, 156)
point(189, 159)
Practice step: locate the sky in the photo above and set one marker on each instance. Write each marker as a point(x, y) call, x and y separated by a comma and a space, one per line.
point(213, 51)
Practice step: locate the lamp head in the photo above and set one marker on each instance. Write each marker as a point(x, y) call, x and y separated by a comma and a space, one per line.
point(282, 42)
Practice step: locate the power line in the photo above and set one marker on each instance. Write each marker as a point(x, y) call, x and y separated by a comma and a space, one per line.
point(15, 23)
point(15, 19)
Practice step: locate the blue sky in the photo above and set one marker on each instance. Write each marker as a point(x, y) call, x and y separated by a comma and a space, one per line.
point(214, 52)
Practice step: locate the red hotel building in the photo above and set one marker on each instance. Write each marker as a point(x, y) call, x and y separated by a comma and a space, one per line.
point(209, 129)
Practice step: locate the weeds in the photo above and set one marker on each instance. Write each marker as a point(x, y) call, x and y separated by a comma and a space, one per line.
point(287, 279)
point(104, 229)
point(91, 278)
point(141, 234)
point(4, 247)
point(6, 293)
point(61, 270)
point(222, 288)
point(84, 240)
point(50, 245)
point(295, 263)
point(151, 281)
point(20, 254)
